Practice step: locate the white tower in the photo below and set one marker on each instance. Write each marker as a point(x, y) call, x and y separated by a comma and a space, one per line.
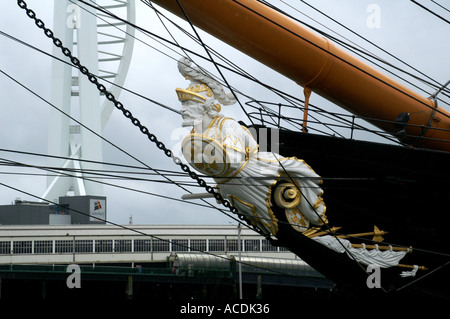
point(104, 45)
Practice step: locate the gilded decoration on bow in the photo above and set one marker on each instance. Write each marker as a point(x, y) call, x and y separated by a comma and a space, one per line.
point(265, 187)
point(220, 147)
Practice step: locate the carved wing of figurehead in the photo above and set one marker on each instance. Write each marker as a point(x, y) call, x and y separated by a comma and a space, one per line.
point(197, 76)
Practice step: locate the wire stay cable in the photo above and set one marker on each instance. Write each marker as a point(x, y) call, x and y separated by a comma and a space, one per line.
point(136, 122)
point(144, 234)
point(126, 113)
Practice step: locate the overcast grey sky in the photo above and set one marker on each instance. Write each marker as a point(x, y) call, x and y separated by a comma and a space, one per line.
point(402, 28)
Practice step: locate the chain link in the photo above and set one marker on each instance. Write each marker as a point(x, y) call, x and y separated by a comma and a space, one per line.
point(118, 105)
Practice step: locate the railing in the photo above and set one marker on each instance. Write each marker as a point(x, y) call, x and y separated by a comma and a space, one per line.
point(342, 125)
point(131, 245)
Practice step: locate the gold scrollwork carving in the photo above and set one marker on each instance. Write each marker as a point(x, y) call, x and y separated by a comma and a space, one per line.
point(287, 195)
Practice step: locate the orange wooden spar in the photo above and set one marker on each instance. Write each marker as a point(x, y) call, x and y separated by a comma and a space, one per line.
point(314, 62)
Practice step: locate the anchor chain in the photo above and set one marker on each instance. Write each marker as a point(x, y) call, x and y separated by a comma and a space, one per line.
point(94, 80)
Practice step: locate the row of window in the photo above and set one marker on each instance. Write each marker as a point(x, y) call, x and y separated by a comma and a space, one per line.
point(132, 245)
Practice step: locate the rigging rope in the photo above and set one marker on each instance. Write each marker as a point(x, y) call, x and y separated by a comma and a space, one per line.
point(430, 11)
point(109, 142)
point(14, 163)
point(376, 46)
point(330, 231)
point(211, 58)
point(59, 172)
point(152, 236)
point(92, 78)
point(269, 112)
point(440, 5)
point(238, 70)
point(104, 79)
point(335, 56)
point(135, 121)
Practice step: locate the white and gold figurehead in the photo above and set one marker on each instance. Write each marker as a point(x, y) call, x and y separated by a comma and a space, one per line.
point(223, 149)
point(199, 99)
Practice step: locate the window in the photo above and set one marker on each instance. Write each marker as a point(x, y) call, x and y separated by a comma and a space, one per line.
point(5, 247)
point(43, 247)
point(122, 245)
point(180, 245)
point(160, 245)
point(232, 245)
point(142, 245)
point(267, 246)
point(22, 247)
point(84, 246)
point(104, 246)
point(63, 246)
point(252, 245)
point(216, 245)
point(198, 245)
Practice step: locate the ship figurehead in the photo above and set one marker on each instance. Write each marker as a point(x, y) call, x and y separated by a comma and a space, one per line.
point(254, 182)
point(270, 190)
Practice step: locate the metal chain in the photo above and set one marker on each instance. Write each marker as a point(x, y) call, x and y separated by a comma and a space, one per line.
point(93, 79)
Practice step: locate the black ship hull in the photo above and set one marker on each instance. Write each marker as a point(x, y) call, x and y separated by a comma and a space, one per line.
point(404, 191)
